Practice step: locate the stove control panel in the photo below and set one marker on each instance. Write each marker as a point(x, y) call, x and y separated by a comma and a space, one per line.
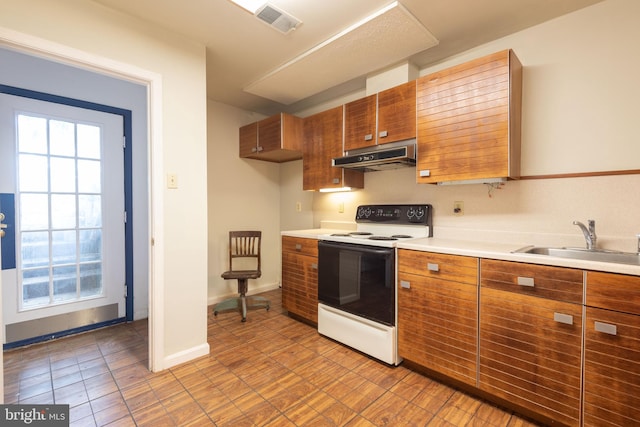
point(395, 214)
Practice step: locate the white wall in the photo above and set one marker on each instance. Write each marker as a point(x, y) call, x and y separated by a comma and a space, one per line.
point(244, 194)
point(182, 221)
point(581, 88)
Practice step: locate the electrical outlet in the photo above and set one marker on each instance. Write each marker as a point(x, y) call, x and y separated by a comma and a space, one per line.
point(341, 207)
point(298, 206)
point(458, 208)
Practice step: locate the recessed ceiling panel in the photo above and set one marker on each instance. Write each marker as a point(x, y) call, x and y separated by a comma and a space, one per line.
point(384, 38)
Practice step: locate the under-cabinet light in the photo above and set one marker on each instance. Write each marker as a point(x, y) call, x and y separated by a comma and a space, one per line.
point(249, 5)
point(334, 190)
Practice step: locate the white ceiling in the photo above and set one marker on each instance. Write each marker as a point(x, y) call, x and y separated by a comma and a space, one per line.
point(244, 53)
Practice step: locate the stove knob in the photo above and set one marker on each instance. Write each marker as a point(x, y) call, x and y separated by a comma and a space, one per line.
point(419, 213)
point(410, 213)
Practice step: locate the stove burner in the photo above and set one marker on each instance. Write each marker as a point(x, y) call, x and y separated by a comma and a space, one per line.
point(402, 236)
point(360, 233)
point(382, 238)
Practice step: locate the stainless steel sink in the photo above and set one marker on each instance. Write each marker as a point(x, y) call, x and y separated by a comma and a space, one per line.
point(599, 255)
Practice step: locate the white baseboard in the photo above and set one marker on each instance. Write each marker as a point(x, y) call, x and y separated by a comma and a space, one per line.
point(185, 355)
point(252, 291)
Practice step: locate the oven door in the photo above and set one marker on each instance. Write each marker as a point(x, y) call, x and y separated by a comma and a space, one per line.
point(358, 279)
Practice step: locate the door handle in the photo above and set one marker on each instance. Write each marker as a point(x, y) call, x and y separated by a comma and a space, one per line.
point(2, 226)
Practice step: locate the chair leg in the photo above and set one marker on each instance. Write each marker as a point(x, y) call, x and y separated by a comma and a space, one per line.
point(242, 290)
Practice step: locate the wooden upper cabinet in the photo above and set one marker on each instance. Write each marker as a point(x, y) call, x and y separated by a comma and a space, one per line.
point(275, 139)
point(385, 117)
point(469, 120)
point(323, 142)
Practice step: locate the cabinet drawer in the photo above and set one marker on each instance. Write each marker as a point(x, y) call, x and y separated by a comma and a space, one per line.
point(446, 267)
point(611, 368)
point(613, 291)
point(300, 245)
point(558, 283)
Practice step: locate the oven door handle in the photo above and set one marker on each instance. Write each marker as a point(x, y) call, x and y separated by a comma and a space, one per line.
point(356, 247)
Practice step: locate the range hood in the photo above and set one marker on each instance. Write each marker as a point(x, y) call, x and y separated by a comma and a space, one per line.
point(380, 157)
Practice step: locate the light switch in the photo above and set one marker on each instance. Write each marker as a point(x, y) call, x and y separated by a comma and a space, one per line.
point(172, 181)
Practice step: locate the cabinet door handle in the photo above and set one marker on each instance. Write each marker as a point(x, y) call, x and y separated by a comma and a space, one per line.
point(260, 149)
point(425, 172)
point(405, 284)
point(298, 247)
point(526, 281)
point(314, 266)
point(368, 137)
point(567, 319)
point(336, 180)
point(433, 267)
point(383, 134)
point(606, 328)
point(254, 149)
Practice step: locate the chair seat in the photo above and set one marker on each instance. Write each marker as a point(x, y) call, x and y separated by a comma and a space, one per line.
point(241, 274)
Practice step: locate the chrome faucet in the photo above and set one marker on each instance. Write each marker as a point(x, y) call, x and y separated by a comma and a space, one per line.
point(589, 233)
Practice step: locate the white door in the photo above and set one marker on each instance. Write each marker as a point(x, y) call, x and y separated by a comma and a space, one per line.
point(65, 166)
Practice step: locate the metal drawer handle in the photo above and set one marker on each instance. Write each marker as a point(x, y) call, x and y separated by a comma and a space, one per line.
point(314, 266)
point(383, 134)
point(298, 247)
point(405, 284)
point(567, 319)
point(526, 281)
point(368, 137)
point(606, 328)
point(433, 267)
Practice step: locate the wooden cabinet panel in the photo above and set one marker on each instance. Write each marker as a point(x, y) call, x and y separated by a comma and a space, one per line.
point(275, 139)
point(437, 312)
point(529, 356)
point(397, 113)
point(248, 140)
point(558, 283)
point(468, 120)
point(612, 350)
point(323, 142)
point(385, 117)
point(300, 277)
point(360, 123)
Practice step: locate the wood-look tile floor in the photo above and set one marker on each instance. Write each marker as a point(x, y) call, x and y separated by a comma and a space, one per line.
point(270, 371)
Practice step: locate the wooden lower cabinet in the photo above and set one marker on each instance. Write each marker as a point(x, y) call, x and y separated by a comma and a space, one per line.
point(612, 350)
point(300, 277)
point(437, 312)
point(531, 339)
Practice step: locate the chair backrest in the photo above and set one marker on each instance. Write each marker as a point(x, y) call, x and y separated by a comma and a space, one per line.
point(244, 244)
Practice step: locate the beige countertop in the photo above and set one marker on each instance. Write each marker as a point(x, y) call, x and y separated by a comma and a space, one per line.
point(485, 249)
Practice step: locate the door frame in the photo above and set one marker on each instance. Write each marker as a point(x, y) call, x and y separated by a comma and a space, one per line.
point(128, 194)
point(153, 81)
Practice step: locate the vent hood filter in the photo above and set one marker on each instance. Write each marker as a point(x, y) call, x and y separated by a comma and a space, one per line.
point(277, 19)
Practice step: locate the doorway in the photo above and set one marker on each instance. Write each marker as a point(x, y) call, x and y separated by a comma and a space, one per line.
point(64, 160)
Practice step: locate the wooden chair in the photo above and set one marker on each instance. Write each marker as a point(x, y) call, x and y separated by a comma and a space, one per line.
point(244, 252)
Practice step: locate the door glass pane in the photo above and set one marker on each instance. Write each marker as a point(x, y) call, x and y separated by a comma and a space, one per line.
point(63, 247)
point(89, 141)
point(35, 287)
point(34, 211)
point(90, 245)
point(32, 134)
point(34, 249)
point(63, 176)
point(60, 185)
point(65, 283)
point(63, 211)
point(34, 173)
point(62, 136)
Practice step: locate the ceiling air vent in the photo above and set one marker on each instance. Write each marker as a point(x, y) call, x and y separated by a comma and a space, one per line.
point(277, 19)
